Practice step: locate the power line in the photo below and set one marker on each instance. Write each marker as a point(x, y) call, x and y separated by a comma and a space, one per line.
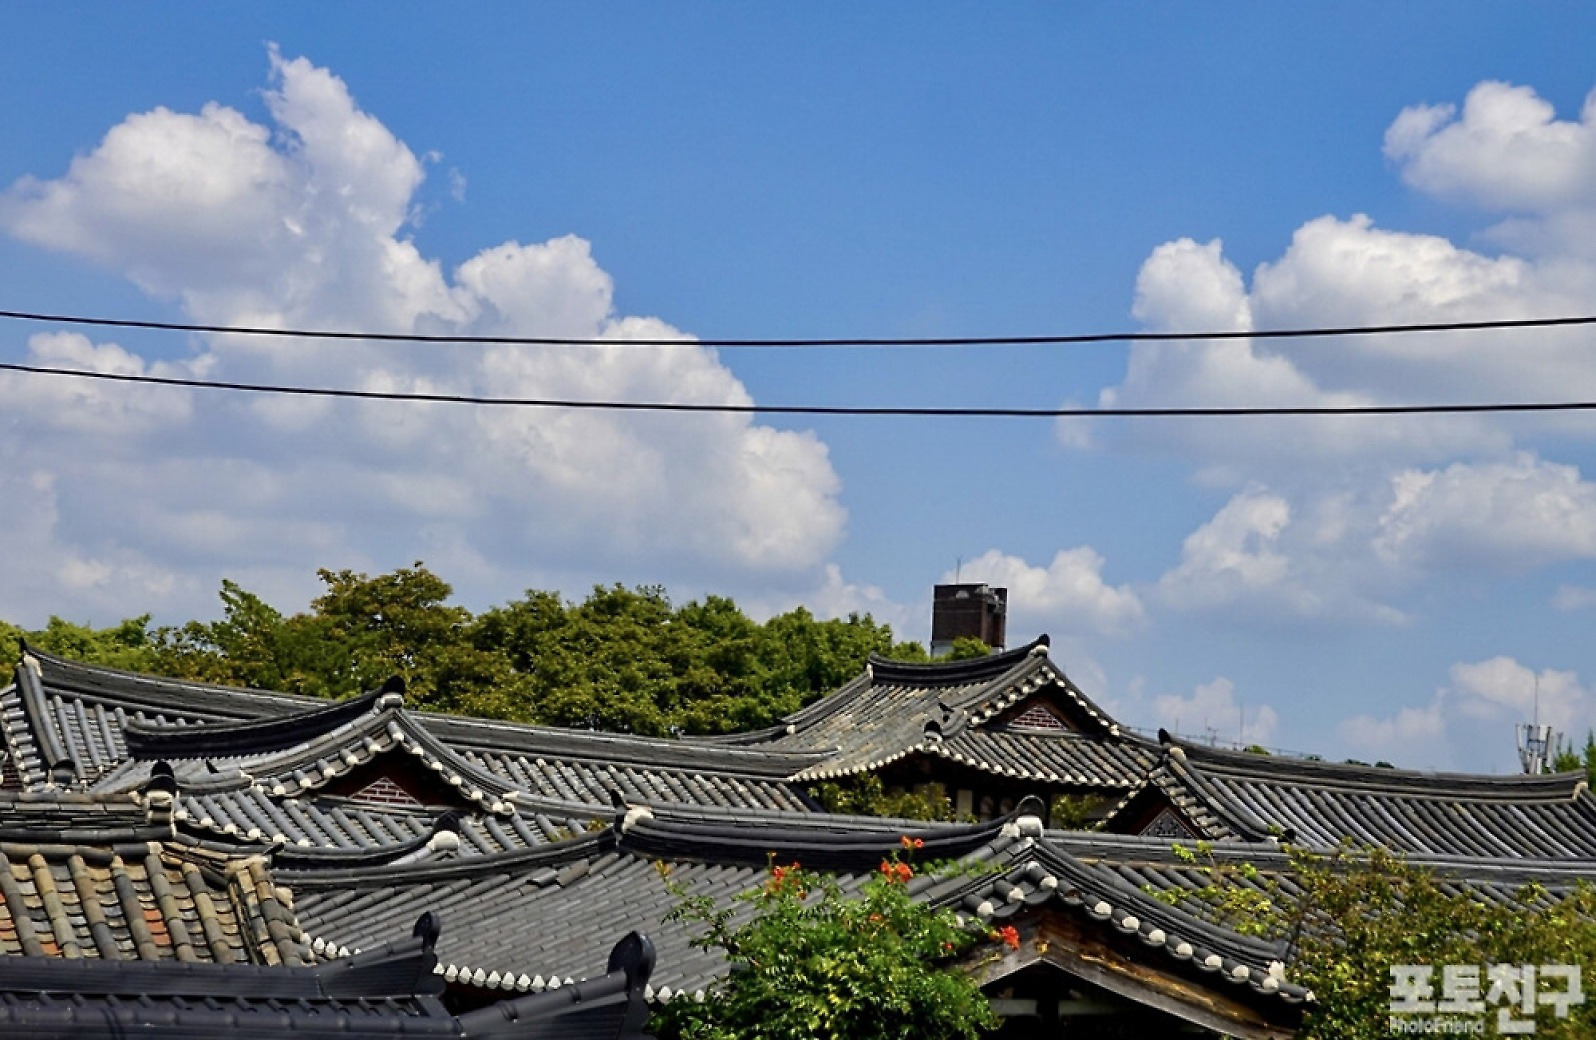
point(793, 409)
point(932, 341)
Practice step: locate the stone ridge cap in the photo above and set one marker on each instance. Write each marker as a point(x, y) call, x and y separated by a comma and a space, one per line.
point(157, 691)
point(953, 673)
point(1101, 845)
point(464, 732)
point(1096, 738)
point(239, 980)
point(291, 857)
point(582, 846)
point(1218, 800)
point(859, 843)
point(1226, 764)
point(91, 844)
point(245, 736)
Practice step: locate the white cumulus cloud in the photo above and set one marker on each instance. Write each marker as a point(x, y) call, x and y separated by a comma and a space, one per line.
point(303, 223)
point(1066, 596)
point(1337, 516)
point(1506, 150)
point(1213, 710)
point(1513, 515)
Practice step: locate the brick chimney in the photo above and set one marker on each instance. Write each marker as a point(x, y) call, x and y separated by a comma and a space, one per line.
point(967, 611)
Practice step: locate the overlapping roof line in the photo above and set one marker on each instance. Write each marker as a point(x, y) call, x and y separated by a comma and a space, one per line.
point(389, 989)
point(249, 737)
point(1475, 786)
point(1043, 874)
point(1226, 794)
point(322, 876)
point(304, 753)
point(156, 692)
point(250, 720)
point(592, 746)
point(113, 889)
point(1008, 866)
point(818, 841)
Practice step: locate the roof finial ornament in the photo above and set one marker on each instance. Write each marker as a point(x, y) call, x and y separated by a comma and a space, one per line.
point(445, 833)
point(392, 693)
point(160, 794)
point(63, 772)
point(428, 928)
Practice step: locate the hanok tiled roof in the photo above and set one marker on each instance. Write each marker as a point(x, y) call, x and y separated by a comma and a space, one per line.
point(592, 768)
point(1227, 794)
point(618, 877)
point(391, 990)
point(88, 878)
point(954, 711)
point(70, 724)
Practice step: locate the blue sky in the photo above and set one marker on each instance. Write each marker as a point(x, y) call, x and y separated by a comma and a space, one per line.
point(1377, 588)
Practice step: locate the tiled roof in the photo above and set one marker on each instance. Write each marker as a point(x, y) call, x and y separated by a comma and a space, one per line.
point(1317, 804)
point(80, 878)
point(70, 724)
point(391, 990)
point(618, 877)
point(585, 766)
point(953, 711)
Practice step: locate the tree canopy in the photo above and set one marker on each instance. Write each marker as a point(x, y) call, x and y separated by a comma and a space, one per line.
point(815, 963)
point(623, 659)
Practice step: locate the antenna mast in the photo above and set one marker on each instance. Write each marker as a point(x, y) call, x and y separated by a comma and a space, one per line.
point(1535, 741)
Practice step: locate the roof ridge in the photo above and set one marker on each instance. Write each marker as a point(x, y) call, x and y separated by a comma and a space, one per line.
point(254, 735)
point(599, 746)
point(581, 846)
point(1497, 786)
point(816, 841)
point(951, 673)
point(158, 685)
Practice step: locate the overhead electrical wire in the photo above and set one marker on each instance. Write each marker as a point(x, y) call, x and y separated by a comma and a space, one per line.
point(781, 409)
point(1194, 411)
point(842, 341)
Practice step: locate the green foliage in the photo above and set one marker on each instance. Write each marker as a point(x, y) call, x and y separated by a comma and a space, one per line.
point(627, 660)
point(361, 632)
point(129, 644)
point(622, 660)
point(865, 795)
point(966, 648)
point(1351, 915)
point(814, 963)
point(1074, 812)
point(1567, 759)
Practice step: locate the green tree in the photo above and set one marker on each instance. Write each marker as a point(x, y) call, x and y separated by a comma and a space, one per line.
point(814, 963)
point(622, 660)
point(966, 648)
point(1567, 759)
point(129, 644)
point(865, 795)
point(1352, 915)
